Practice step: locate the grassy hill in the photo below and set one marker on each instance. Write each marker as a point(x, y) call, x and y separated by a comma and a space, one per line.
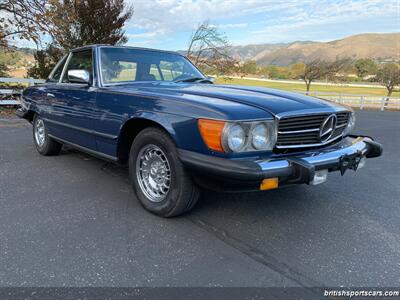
point(18, 60)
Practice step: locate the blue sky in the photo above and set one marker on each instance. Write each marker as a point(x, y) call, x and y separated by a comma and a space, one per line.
point(167, 24)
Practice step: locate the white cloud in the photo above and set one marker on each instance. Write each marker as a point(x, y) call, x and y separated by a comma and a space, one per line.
point(233, 25)
point(184, 15)
point(325, 13)
point(159, 19)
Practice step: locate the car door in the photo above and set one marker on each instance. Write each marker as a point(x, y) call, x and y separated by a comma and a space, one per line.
point(39, 98)
point(73, 104)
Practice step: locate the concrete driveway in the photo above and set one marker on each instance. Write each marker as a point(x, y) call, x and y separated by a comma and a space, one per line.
point(72, 220)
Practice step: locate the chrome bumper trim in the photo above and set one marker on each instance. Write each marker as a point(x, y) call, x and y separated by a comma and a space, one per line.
point(320, 157)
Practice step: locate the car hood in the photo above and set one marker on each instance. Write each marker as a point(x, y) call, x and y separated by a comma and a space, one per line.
point(271, 100)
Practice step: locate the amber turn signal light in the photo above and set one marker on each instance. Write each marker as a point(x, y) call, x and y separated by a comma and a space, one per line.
point(269, 184)
point(211, 132)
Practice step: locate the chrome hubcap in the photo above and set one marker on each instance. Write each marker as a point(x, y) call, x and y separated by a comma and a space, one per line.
point(40, 134)
point(153, 173)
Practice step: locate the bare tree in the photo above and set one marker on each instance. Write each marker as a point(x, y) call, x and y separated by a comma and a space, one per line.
point(317, 69)
point(389, 76)
point(209, 47)
point(313, 70)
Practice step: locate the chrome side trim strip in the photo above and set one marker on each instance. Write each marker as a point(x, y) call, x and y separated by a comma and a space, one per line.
point(84, 149)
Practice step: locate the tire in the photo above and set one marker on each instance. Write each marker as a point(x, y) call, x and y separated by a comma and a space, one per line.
point(153, 155)
point(45, 145)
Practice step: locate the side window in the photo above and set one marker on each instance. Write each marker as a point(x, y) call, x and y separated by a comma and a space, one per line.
point(171, 70)
point(118, 71)
point(81, 60)
point(56, 74)
point(154, 71)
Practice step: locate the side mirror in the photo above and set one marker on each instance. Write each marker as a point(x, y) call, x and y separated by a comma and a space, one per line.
point(79, 76)
point(211, 79)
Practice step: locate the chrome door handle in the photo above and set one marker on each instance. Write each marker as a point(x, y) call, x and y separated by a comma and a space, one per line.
point(50, 95)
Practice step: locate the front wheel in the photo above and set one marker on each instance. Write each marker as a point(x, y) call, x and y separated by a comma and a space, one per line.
point(159, 179)
point(45, 145)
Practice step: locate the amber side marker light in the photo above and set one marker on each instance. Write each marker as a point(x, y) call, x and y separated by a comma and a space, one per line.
point(269, 184)
point(211, 132)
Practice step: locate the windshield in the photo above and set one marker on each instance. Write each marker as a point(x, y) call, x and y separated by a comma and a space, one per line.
point(119, 65)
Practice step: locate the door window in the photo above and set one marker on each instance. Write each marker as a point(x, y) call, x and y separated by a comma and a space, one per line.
point(81, 60)
point(56, 73)
point(120, 71)
point(155, 72)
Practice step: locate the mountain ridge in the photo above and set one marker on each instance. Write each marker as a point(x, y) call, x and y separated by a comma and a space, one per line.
point(377, 46)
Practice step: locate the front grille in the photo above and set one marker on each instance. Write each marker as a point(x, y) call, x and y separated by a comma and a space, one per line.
point(304, 131)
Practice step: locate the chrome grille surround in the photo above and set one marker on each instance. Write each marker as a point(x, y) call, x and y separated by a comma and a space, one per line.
point(304, 131)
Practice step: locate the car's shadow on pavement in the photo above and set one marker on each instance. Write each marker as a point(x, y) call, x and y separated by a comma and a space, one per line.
point(277, 200)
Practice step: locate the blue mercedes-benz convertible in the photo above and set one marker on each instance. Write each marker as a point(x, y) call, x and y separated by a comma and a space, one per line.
point(177, 131)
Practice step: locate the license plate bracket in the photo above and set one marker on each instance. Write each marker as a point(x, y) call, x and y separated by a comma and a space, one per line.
point(349, 161)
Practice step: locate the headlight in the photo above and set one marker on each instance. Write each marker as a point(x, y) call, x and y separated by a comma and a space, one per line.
point(249, 136)
point(350, 124)
point(259, 139)
point(263, 136)
point(235, 137)
point(240, 136)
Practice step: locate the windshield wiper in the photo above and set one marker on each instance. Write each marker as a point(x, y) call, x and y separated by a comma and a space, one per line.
point(194, 79)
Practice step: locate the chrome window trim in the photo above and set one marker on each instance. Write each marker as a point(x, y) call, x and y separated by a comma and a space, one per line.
point(100, 75)
point(56, 67)
point(65, 67)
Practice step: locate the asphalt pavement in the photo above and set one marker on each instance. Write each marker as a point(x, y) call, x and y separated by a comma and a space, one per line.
point(73, 220)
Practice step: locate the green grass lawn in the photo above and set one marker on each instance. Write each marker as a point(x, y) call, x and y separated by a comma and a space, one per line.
point(301, 87)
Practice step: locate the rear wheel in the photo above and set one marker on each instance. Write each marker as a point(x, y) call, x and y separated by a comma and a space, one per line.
point(45, 145)
point(160, 181)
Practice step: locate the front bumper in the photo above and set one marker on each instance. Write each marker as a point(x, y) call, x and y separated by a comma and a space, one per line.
point(22, 113)
point(246, 174)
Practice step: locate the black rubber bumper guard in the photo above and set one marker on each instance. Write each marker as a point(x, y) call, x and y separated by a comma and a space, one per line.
point(289, 169)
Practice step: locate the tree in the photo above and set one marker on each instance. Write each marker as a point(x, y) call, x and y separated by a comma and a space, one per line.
point(45, 61)
point(77, 23)
point(248, 67)
point(24, 19)
point(317, 69)
point(389, 76)
point(70, 24)
point(364, 67)
point(3, 40)
point(3, 69)
point(209, 47)
point(296, 70)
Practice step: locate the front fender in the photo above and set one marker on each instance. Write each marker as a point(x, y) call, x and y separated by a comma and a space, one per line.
point(183, 130)
point(159, 118)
